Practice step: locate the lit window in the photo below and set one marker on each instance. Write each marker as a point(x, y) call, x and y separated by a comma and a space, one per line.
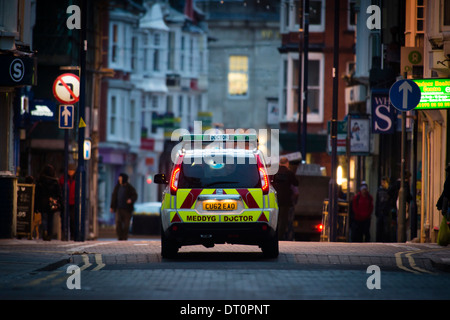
point(238, 76)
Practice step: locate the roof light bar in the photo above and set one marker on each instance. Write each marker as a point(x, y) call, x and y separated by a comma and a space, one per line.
point(219, 137)
point(225, 140)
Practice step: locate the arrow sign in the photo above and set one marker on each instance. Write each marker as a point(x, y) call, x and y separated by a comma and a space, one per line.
point(66, 117)
point(405, 87)
point(405, 95)
point(66, 114)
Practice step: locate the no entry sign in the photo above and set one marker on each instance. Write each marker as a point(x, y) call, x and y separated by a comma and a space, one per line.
point(66, 88)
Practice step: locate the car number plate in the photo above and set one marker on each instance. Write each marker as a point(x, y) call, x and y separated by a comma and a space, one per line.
point(224, 205)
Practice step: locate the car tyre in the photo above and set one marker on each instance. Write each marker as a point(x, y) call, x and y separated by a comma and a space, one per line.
point(169, 248)
point(270, 248)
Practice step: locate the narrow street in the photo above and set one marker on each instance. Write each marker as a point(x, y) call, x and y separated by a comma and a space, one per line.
point(134, 270)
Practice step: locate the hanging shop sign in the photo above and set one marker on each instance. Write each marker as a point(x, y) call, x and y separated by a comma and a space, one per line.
point(17, 71)
point(435, 94)
point(359, 135)
point(383, 112)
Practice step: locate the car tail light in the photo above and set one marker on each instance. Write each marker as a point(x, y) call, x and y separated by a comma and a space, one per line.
point(263, 176)
point(174, 178)
point(319, 227)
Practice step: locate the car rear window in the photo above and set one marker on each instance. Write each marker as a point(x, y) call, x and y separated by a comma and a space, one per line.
point(220, 172)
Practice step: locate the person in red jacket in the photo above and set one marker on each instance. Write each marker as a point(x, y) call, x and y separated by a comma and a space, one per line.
point(71, 210)
point(362, 206)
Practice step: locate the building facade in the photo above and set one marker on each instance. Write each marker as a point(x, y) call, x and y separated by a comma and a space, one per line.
point(18, 66)
point(158, 54)
point(243, 73)
point(319, 78)
point(427, 26)
point(409, 42)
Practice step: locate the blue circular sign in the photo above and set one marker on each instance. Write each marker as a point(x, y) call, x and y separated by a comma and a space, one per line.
point(405, 95)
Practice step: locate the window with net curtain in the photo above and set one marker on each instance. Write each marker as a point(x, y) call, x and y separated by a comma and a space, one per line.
point(238, 77)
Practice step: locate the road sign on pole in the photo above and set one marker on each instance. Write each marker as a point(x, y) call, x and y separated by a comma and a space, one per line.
point(65, 117)
point(87, 146)
point(405, 95)
point(66, 88)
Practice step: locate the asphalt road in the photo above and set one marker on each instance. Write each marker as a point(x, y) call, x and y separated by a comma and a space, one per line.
point(220, 276)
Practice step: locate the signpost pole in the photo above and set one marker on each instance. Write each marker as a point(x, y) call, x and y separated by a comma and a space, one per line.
point(414, 181)
point(332, 188)
point(65, 220)
point(401, 216)
point(305, 78)
point(66, 91)
point(81, 176)
point(299, 88)
point(405, 95)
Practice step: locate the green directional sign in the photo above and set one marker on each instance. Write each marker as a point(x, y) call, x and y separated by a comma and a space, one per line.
point(435, 94)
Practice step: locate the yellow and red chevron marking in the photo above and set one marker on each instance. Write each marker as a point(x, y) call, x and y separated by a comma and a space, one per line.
point(192, 216)
point(252, 197)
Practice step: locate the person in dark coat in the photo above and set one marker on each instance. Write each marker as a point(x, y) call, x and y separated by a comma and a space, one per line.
point(122, 203)
point(408, 199)
point(443, 202)
point(285, 183)
point(48, 198)
point(384, 206)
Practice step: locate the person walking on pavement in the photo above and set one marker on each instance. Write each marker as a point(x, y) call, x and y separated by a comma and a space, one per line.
point(408, 199)
point(362, 205)
point(444, 206)
point(285, 183)
point(443, 201)
point(383, 210)
point(71, 183)
point(122, 203)
point(48, 199)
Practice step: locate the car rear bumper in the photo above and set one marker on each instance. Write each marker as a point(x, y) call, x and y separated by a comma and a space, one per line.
point(209, 234)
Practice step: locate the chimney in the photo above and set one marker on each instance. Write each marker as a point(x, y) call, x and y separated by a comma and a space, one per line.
point(189, 9)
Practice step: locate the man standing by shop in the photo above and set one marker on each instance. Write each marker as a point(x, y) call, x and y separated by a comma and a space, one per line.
point(285, 183)
point(122, 203)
